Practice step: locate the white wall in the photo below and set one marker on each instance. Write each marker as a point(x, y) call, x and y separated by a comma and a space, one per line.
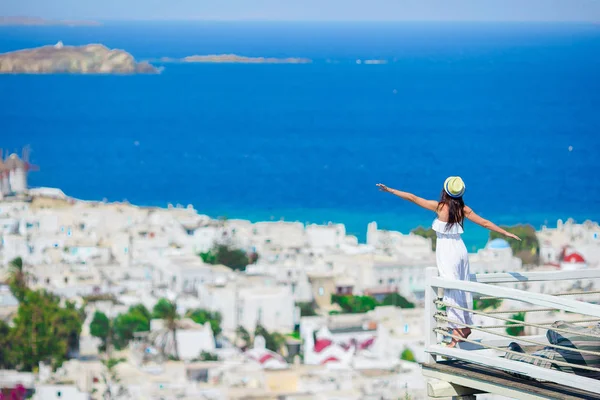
point(191, 343)
point(58, 392)
point(272, 307)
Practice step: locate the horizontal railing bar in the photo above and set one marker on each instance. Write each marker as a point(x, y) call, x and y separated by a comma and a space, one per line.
point(578, 293)
point(538, 299)
point(533, 371)
point(507, 336)
point(514, 321)
point(510, 277)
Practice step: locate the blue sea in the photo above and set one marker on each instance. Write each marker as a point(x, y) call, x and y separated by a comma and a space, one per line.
point(498, 104)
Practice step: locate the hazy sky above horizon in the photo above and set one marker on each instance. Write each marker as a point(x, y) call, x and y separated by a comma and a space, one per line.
point(309, 10)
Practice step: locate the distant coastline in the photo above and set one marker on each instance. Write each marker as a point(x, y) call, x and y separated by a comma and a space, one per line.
point(236, 59)
point(35, 21)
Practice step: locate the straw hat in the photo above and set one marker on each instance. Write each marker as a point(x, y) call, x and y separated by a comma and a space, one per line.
point(454, 186)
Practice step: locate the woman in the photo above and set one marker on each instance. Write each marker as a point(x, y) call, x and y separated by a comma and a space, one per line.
point(451, 253)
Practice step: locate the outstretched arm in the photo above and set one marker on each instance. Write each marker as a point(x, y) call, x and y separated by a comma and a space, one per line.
point(473, 217)
point(427, 204)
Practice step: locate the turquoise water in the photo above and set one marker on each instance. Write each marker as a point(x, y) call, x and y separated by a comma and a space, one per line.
point(497, 104)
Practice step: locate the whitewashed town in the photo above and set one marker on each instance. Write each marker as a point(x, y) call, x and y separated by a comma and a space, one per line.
point(300, 311)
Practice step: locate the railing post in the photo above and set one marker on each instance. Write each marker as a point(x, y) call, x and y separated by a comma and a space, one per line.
point(431, 294)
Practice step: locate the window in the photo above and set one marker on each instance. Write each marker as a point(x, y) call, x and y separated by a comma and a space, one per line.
point(321, 291)
point(58, 394)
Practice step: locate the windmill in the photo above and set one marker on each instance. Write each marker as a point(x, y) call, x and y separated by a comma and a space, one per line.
point(17, 169)
point(4, 184)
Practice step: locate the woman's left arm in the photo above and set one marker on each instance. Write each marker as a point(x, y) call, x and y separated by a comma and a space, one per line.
point(431, 205)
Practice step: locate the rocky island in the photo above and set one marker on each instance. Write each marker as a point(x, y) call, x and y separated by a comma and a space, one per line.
point(235, 59)
point(58, 59)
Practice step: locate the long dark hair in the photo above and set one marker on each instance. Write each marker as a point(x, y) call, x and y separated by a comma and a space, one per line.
point(456, 209)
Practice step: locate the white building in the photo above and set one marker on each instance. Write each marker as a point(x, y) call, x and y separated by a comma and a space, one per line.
point(185, 273)
point(192, 338)
point(59, 392)
point(248, 302)
point(412, 246)
point(14, 246)
point(583, 238)
point(497, 256)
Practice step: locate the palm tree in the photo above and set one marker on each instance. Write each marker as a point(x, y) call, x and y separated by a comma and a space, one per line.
point(17, 280)
point(167, 311)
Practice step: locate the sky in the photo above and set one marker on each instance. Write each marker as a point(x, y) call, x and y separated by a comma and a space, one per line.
point(309, 10)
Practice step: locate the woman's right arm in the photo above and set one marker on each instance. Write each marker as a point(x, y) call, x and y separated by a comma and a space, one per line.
point(473, 217)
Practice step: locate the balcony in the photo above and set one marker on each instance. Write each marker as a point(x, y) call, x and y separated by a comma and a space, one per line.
point(485, 362)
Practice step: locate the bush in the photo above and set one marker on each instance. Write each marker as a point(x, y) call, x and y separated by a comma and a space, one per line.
point(273, 341)
point(235, 259)
point(395, 299)
point(354, 304)
point(306, 309)
point(206, 356)
point(351, 304)
point(407, 355)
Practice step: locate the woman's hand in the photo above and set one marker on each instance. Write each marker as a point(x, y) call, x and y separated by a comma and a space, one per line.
point(513, 236)
point(382, 187)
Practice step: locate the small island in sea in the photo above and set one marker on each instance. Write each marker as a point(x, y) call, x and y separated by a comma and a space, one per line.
point(36, 21)
point(88, 59)
point(236, 59)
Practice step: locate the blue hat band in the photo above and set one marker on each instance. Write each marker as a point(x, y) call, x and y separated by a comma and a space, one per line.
point(456, 196)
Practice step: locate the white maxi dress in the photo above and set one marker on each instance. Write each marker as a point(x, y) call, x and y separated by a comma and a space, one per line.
point(453, 263)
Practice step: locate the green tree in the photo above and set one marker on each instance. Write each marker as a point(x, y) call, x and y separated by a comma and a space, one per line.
point(141, 310)
point(41, 330)
point(69, 320)
point(224, 254)
point(6, 357)
point(206, 356)
point(101, 327)
point(243, 334)
point(125, 325)
point(201, 316)
point(273, 341)
point(16, 280)
point(354, 304)
point(407, 355)
point(528, 248)
point(516, 330)
point(306, 309)
point(428, 233)
point(395, 299)
point(167, 311)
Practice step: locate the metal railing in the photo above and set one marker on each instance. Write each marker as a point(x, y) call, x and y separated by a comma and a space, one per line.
point(497, 340)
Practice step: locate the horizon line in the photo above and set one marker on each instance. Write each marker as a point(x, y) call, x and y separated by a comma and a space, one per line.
point(268, 20)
